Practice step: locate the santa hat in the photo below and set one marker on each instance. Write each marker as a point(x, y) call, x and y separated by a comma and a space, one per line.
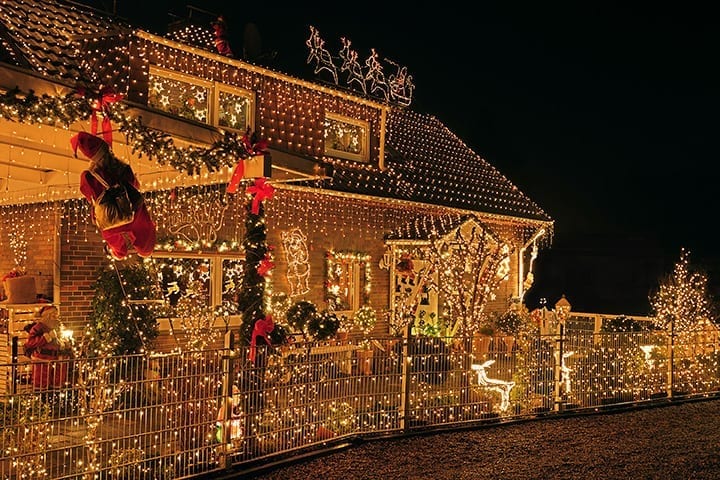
point(48, 316)
point(91, 146)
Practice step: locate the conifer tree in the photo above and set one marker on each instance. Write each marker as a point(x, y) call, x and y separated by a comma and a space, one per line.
point(682, 300)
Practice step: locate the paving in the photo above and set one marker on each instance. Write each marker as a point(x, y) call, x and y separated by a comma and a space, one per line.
point(670, 441)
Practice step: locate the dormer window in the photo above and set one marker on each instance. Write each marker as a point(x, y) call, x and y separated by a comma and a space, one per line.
point(346, 138)
point(235, 108)
point(201, 100)
point(179, 95)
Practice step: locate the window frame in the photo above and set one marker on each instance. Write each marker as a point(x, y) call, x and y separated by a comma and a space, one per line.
point(216, 268)
point(364, 155)
point(358, 291)
point(214, 89)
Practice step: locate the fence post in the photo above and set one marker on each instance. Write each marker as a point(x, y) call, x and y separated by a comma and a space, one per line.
point(405, 372)
point(559, 341)
point(226, 400)
point(671, 360)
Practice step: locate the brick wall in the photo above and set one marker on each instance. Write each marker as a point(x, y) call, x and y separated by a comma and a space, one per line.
point(37, 225)
point(328, 222)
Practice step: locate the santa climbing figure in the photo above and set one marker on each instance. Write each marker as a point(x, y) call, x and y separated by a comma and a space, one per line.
point(141, 232)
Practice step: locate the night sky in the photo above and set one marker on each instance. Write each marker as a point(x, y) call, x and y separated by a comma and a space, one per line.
point(602, 115)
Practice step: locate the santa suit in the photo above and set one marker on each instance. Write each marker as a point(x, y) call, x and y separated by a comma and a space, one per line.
point(140, 232)
point(44, 351)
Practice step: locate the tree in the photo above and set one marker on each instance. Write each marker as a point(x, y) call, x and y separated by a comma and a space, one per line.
point(470, 263)
point(682, 301)
point(118, 327)
point(251, 300)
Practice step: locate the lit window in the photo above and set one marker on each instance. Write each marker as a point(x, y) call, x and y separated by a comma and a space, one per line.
point(348, 280)
point(235, 109)
point(346, 138)
point(180, 96)
point(201, 100)
point(207, 280)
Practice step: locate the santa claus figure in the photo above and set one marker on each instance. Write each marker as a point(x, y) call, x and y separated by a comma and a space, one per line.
point(44, 347)
point(141, 232)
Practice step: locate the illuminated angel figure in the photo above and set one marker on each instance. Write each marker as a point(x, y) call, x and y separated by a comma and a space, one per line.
point(376, 76)
point(351, 65)
point(323, 59)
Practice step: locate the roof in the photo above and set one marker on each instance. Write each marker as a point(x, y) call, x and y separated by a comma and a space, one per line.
point(425, 227)
point(427, 163)
point(44, 35)
point(424, 161)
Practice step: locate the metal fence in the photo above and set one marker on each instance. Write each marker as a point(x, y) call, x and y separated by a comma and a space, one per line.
point(170, 416)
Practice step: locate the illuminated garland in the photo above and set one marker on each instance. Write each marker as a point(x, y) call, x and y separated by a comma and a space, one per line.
point(154, 144)
point(180, 245)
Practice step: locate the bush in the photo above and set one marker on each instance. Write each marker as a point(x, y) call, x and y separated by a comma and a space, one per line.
point(323, 325)
point(299, 315)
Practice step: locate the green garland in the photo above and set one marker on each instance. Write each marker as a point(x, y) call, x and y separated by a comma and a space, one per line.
point(157, 145)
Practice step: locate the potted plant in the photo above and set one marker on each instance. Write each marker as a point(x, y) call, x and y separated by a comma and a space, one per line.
point(483, 338)
point(323, 325)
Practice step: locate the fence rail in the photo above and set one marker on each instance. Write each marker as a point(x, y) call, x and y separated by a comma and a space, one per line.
point(179, 415)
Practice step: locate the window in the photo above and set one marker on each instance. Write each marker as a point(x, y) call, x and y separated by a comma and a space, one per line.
point(196, 99)
point(179, 95)
point(208, 280)
point(348, 280)
point(346, 138)
point(235, 108)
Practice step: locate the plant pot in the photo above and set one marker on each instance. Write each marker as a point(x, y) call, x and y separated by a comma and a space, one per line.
point(481, 344)
point(365, 361)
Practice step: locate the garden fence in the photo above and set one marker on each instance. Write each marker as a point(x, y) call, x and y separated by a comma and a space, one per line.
point(180, 415)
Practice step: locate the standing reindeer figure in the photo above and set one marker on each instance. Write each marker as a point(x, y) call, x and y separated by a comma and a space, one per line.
point(495, 384)
point(323, 59)
point(376, 76)
point(351, 65)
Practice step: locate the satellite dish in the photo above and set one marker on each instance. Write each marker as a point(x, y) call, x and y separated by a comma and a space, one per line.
point(252, 45)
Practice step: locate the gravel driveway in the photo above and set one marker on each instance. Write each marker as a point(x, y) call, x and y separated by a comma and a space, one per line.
point(672, 441)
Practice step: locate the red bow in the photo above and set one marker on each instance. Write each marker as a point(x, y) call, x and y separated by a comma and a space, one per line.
point(256, 148)
point(260, 191)
point(102, 104)
point(265, 266)
point(262, 327)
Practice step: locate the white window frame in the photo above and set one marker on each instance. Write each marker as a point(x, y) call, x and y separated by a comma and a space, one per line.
point(364, 155)
point(216, 271)
point(214, 89)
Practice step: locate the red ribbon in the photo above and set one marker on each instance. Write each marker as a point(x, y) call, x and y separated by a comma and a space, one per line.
point(260, 191)
point(262, 327)
point(265, 266)
point(236, 177)
point(252, 149)
point(102, 104)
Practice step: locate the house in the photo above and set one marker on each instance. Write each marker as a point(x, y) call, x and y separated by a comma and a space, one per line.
point(362, 183)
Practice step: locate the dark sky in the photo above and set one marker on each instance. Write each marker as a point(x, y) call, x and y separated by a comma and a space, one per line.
point(604, 115)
